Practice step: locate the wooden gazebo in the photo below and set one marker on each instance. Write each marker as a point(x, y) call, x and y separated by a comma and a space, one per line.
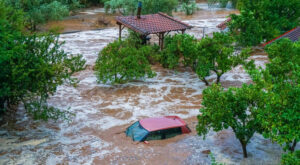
point(158, 24)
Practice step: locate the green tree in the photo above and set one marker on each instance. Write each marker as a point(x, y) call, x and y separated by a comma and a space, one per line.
point(235, 108)
point(280, 115)
point(41, 11)
point(129, 7)
point(120, 62)
point(33, 66)
point(177, 47)
point(291, 158)
point(188, 6)
point(217, 54)
point(262, 20)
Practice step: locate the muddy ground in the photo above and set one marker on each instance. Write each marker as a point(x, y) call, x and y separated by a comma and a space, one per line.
point(103, 111)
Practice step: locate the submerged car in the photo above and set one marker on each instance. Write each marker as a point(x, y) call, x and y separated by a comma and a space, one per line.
point(157, 128)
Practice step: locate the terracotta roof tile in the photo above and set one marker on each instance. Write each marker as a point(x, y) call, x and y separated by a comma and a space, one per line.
point(293, 35)
point(223, 25)
point(152, 23)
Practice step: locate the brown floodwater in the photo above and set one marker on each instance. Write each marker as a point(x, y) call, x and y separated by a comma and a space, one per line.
point(103, 112)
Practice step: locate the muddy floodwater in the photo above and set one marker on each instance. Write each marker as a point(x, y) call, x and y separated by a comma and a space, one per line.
point(96, 133)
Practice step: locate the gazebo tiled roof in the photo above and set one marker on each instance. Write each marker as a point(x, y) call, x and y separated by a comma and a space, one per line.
point(293, 35)
point(223, 24)
point(152, 23)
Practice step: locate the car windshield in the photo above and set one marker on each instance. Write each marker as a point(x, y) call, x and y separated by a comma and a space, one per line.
point(136, 132)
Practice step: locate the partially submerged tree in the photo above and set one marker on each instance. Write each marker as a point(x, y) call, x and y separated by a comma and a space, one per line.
point(177, 47)
point(235, 108)
point(261, 20)
point(280, 115)
point(33, 66)
point(120, 62)
point(217, 54)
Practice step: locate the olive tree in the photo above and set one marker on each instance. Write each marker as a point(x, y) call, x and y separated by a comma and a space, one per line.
point(235, 108)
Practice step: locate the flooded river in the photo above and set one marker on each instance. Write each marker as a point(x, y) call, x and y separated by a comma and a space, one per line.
point(96, 134)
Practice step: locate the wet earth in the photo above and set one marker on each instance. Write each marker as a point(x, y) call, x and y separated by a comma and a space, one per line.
point(96, 133)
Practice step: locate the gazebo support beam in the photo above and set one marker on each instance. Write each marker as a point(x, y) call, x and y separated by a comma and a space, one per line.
point(120, 30)
point(161, 37)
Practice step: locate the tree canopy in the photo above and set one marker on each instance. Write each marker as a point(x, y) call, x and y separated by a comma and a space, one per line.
point(129, 7)
point(33, 66)
point(235, 108)
point(120, 62)
point(262, 20)
point(280, 115)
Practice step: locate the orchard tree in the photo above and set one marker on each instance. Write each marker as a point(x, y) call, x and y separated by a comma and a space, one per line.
point(261, 20)
point(41, 11)
point(291, 158)
point(188, 6)
point(280, 115)
point(33, 67)
point(120, 62)
point(235, 108)
point(177, 47)
point(129, 7)
point(217, 54)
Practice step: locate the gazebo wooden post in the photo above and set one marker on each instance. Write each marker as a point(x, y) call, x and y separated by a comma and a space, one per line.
point(120, 31)
point(159, 40)
point(183, 31)
point(162, 41)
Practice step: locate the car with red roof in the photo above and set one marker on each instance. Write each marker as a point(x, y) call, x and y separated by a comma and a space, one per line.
point(157, 128)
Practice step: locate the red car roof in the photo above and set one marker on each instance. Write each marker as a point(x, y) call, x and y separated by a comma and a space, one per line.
point(161, 123)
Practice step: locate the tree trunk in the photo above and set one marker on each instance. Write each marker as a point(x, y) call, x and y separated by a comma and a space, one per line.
point(244, 146)
point(205, 81)
point(2, 102)
point(292, 148)
point(218, 79)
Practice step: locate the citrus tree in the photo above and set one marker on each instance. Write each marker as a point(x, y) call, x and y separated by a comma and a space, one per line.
point(235, 108)
point(177, 47)
point(33, 66)
point(261, 20)
point(217, 54)
point(120, 62)
point(129, 7)
point(41, 11)
point(280, 115)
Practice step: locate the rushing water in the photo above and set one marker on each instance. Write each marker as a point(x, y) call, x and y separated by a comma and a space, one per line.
point(96, 134)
